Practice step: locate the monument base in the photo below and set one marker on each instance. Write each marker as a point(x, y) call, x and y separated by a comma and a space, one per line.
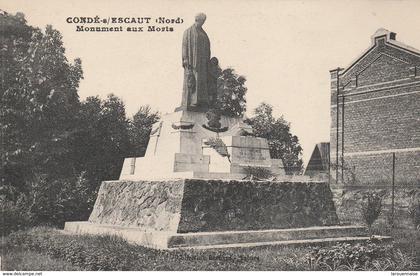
point(190, 213)
point(197, 205)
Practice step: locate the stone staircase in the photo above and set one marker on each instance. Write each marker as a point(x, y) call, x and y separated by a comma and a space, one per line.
point(227, 239)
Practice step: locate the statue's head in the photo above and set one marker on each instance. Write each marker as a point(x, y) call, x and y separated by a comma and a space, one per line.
point(200, 19)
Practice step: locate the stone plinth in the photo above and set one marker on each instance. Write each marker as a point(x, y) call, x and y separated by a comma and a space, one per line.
point(203, 214)
point(176, 149)
point(194, 205)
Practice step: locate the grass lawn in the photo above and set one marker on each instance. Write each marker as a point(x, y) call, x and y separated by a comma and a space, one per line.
point(408, 240)
point(29, 260)
point(47, 249)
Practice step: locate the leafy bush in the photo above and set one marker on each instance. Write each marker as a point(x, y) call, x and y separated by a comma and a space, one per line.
point(14, 216)
point(360, 256)
point(371, 209)
point(53, 202)
point(49, 202)
point(281, 142)
point(231, 92)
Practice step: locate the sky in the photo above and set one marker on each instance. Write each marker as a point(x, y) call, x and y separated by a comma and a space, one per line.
point(285, 49)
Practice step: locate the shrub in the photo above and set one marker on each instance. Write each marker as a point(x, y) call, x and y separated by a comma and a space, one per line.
point(371, 209)
point(14, 215)
point(55, 201)
point(360, 256)
point(48, 202)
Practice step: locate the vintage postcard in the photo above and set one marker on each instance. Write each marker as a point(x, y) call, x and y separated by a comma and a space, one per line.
point(210, 136)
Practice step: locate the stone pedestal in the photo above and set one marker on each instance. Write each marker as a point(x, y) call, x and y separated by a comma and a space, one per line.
point(198, 213)
point(177, 149)
point(198, 205)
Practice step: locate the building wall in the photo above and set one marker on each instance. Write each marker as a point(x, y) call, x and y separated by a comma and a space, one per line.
point(381, 95)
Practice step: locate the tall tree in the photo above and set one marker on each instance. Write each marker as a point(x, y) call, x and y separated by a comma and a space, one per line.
point(283, 144)
point(101, 142)
point(54, 150)
point(39, 101)
point(140, 128)
point(231, 92)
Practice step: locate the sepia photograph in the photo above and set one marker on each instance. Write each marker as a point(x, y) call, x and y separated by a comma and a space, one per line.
point(183, 135)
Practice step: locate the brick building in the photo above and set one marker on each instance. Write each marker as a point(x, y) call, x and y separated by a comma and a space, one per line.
point(377, 113)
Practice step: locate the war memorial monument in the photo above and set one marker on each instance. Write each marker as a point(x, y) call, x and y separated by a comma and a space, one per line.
point(185, 193)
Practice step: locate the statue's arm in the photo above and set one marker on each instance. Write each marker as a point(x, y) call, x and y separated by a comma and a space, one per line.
point(185, 46)
point(209, 47)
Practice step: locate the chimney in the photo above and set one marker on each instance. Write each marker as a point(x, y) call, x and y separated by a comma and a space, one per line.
point(384, 35)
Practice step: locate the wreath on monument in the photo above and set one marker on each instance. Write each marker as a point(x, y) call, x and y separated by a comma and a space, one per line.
point(213, 121)
point(219, 146)
point(213, 124)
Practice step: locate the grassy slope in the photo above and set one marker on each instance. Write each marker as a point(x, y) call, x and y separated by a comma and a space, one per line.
point(48, 249)
point(115, 254)
point(408, 240)
point(29, 260)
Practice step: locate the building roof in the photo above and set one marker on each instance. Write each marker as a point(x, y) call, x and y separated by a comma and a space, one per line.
point(390, 39)
point(320, 158)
